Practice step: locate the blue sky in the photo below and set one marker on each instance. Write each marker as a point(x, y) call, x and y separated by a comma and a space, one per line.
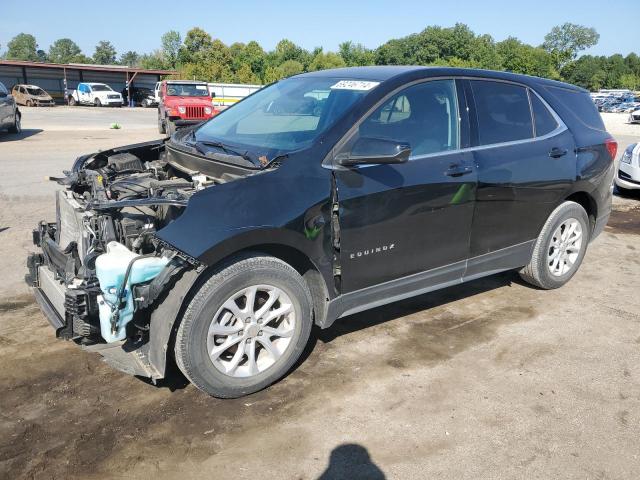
point(323, 23)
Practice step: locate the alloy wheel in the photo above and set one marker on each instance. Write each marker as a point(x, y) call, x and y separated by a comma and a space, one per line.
point(251, 331)
point(565, 246)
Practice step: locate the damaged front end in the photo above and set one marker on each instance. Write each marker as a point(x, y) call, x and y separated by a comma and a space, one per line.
point(100, 271)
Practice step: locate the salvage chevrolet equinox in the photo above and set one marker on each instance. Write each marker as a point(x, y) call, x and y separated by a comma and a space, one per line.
point(319, 196)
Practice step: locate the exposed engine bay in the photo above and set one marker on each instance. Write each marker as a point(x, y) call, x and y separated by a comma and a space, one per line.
point(100, 262)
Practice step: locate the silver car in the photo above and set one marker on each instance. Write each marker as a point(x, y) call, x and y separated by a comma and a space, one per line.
point(628, 176)
point(10, 116)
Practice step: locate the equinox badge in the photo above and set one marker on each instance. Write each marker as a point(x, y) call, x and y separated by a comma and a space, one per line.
point(372, 251)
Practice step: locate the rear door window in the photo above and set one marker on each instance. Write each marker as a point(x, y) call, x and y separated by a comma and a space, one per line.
point(544, 121)
point(502, 111)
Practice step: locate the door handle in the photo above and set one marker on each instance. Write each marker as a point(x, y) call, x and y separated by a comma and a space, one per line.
point(557, 152)
point(458, 170)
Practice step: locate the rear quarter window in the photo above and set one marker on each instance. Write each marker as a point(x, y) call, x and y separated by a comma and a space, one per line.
point(579, 105)
point(544, 121)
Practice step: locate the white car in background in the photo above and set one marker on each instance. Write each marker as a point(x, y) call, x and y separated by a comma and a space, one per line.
point(634, 117)
point(97, 94)
point(628, 176)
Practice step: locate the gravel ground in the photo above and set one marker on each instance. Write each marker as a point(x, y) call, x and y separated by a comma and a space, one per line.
point(491, 379)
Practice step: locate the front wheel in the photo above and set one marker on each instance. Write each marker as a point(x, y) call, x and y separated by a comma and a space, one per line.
point(72, 102)
point(560, 247)
point(171, 127)
point(162, 128)
point(97, 102)
point(245, 327)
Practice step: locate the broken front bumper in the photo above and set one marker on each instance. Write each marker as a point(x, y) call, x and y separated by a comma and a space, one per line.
point(73, 312)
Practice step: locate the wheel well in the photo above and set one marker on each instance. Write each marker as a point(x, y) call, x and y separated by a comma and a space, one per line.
point(305, 267)
point(588, 203)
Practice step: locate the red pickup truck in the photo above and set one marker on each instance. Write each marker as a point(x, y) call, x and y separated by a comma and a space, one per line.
point(183, 102)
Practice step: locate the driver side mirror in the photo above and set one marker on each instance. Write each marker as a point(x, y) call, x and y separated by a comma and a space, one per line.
point(213, 94)
point(379, 151)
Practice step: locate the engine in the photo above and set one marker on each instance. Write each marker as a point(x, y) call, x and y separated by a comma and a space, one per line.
point(101, 252)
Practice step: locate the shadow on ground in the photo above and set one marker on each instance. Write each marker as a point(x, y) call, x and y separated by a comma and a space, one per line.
point(25, 133)
point(351, 462)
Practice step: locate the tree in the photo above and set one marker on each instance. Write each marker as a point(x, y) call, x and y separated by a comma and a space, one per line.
point(64, 50)
point(22, 47)
point(356, 54)
point(105, 53)
point(196, 42)
point(518, 57)
point(130, 58)
point(564, 42)
point(152, 61)
point(323, 61)
point(171, 42)
point(630, 81)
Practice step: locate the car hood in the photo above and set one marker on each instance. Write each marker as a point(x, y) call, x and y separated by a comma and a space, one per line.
point(104, 94)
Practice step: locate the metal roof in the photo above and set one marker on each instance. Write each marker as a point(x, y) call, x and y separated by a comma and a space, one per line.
point(84, 66)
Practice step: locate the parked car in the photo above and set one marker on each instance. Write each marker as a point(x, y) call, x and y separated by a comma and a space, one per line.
point(32, 96)
point(634, 117)
point(10, 116)
point(628, 175)
point(96, 94)
point(183, 103)
point(142, 97)
point(319, 196)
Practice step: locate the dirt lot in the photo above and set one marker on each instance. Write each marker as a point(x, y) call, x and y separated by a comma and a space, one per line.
point(492, 379)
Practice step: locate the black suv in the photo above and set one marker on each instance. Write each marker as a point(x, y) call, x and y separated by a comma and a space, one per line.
point(319, 196)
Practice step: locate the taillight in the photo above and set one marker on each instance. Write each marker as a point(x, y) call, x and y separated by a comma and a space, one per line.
point(612, 147)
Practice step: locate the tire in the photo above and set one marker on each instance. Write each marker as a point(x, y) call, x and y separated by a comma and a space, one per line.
point(216, 375)
point(97, 102)
point(17, 124)
point(29, 103)
point(72, 102)
point(162, 128)
point(556, 259)
point(171, 128)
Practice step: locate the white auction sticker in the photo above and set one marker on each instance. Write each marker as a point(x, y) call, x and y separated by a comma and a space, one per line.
point(201, 87)
point(354, 85)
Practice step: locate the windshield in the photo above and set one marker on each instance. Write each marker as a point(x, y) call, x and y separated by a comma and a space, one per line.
point(101, 88)
point(285, 116)
point(36, 91)
point(187, 90)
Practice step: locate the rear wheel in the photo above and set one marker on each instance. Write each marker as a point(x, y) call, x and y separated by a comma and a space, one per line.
point(560, 247)
point(17, 124)
point(245, 328)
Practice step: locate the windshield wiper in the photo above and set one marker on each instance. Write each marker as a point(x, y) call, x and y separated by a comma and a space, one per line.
point(226, 149)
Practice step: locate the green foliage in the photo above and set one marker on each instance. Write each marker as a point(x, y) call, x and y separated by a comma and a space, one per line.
point(130, 59)
point(565, 41)
point(171, 42)
point(23, 47)
point(356, 54)
point(65, 50)
point(204, 57)
point(105, 53)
